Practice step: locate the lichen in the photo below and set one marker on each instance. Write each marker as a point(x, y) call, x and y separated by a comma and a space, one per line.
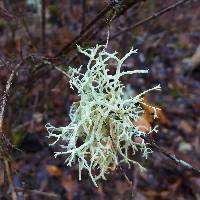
point(101, 133)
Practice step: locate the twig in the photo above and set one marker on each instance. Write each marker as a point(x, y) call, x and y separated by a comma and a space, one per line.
point(170, 156)
point(8, 173)
point(125, 176)
point(98, 23)
point(4, 99)
point(98, 17)
point(147, 19)
point(63, 72)
point(32, 40)
point(85, 30)
point(47, 194)
point(3, 150)
point(90, 30)
point(5, 95)
point(38, 192)
point(134, 183)
point(19, 16)
point(87, 33)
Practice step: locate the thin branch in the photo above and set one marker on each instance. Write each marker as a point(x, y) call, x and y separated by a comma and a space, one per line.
point(38, 192)
point(170, 156)
point(134, 183)
point(4, 99)
point(46, 194)
point(99, 22)
point(6, 94)
point(63, 72)
point(92, 29)
point(32, 40)
point(147, 19)
point(86, 28)
point(9, 176)
point(3, 150)
point(125, 176)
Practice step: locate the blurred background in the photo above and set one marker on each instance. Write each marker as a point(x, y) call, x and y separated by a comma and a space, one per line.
point(37, 41)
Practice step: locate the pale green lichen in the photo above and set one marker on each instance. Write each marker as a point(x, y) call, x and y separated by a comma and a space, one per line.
point(101, 133)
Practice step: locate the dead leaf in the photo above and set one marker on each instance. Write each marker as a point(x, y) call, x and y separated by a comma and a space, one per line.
point(147, 118)
point(54, 170)
point(162, 117)
point(149, 111)
point(143, 123)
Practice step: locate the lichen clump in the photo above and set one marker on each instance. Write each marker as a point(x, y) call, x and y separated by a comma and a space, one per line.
point(101, 133)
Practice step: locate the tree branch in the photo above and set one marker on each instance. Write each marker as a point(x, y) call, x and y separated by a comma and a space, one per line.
point(170, 156)
point(101, 20)
point(147, 19)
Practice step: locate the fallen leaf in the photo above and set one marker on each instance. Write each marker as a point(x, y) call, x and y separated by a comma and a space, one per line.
point(149, 111)
point(163, 117)
point(143, 123)
point(146, 119)
point(54, 170)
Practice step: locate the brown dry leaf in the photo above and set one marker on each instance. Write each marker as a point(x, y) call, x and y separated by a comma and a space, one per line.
point(147, 118)
point(149, 110)
point(162, 117)
point(144, 123)
point(54, 170)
